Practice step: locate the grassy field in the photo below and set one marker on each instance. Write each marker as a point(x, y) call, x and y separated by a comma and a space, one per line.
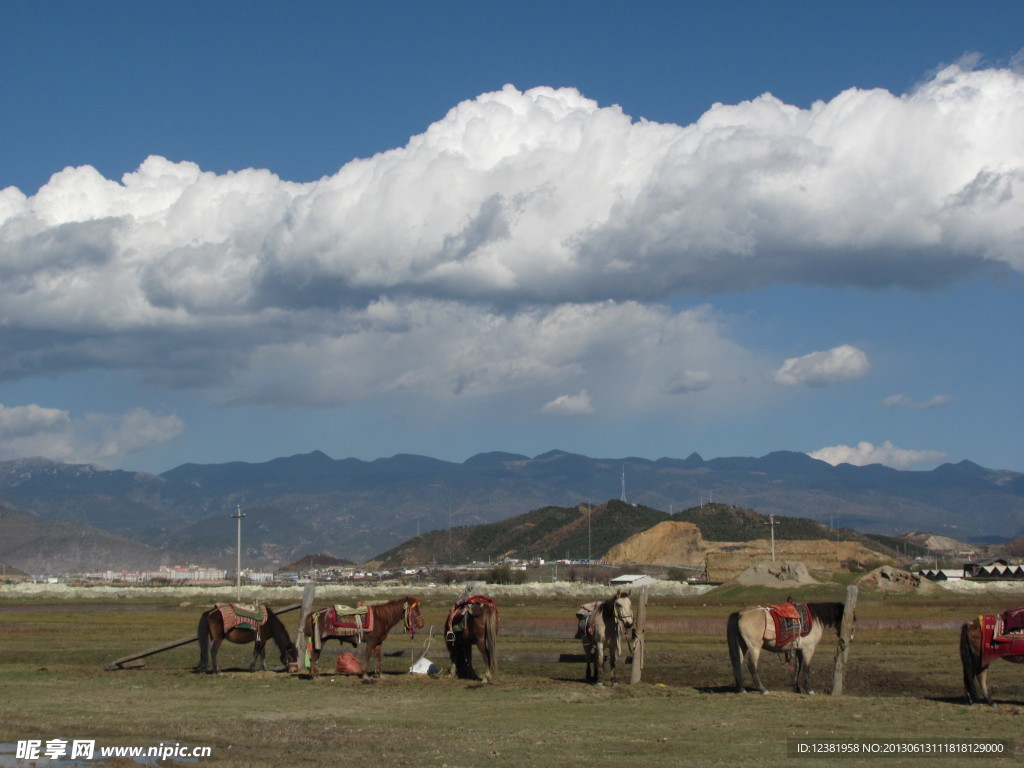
point(904, 682)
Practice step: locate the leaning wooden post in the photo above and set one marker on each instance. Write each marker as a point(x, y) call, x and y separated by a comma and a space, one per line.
point(637, 667)
point(845, 637)
point(300, 636)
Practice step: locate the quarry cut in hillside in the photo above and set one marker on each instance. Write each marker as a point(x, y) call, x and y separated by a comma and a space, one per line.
point(673, 543)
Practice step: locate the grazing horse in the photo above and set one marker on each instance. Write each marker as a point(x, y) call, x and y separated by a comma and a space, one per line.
point(242, 624)
point(780, 629)
point(602, 625)
point(379, 619)
point(982, 641)
point(472, 620)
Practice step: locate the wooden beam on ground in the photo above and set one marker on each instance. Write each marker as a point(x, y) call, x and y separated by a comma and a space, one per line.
point(845, 637)
point(637, 667)
point(125, 662)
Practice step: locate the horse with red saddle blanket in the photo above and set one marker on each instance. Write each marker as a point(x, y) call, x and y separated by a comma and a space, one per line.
point(985, 639)
point(365, 624)
point(472, 620)
point(780, 629)
point(242, 624)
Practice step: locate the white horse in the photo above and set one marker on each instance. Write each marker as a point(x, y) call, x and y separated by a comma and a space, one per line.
point(751, 630)
point(602, 634)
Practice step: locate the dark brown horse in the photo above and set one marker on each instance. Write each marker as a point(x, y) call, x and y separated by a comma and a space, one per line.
point(473, 620)
point(244, 624)
point(380, 618)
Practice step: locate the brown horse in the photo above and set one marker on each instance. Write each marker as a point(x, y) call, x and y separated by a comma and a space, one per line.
point(380, 619)
point(751, 630)
point(985, 639)
point(602, 626)
point(472, 620)
point(245, 624)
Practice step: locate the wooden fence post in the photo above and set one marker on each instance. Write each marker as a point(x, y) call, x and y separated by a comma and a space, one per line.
point(308, 594)
point(637, 667)
point(845, 637)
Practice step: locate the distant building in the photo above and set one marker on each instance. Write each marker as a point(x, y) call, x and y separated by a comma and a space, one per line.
point(631, 580)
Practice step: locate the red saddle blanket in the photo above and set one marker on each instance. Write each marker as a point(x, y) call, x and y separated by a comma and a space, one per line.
point(338, 622)
point(232, 615)
point(792, 620)
point(1001, 636)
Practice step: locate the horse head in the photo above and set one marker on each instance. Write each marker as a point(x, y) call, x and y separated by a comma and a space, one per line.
point(623, 608)
point(413, 618)
point(289, 653)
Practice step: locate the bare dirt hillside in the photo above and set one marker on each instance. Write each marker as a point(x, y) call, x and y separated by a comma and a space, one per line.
point(681, 544)
point(937, 543)
point(667, 543)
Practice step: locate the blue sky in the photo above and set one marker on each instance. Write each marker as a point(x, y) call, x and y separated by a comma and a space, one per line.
point(242, 230)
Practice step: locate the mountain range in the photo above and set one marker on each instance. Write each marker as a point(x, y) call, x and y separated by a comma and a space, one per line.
point(356, 509)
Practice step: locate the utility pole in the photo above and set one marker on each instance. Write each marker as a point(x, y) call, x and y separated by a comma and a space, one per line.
point(238, 553)
point(771, 524)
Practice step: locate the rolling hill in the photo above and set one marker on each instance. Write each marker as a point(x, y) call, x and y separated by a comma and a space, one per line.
point(587, 532)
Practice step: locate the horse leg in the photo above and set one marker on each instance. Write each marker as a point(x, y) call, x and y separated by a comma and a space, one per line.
point(598, 661)
point(453, 656)
point(802, 675)
point(481, 645)
point(753, 654)
point(983, 684)
point(214, 647)
point(259, 657)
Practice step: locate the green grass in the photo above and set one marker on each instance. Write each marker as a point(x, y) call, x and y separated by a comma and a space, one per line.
point(903, 683)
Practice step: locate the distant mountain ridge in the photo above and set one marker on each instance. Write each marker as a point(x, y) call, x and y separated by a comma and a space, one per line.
point(356, 509)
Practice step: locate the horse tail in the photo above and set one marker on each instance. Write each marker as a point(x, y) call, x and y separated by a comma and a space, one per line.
point(490, 638)
point(971, 665)
point(203, 638)
point(737, 647)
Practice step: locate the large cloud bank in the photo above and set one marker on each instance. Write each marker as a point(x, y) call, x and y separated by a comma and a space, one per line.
point(520, 243)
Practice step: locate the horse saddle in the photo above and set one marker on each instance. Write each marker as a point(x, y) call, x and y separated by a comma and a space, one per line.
point(342, 618)
point(242, 616)
point(792, 620)
point(585, 618)
point(1013, 620)
point(468, 606)
point(999, 639)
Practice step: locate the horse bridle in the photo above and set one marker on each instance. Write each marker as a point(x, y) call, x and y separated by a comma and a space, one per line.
point(410, 626)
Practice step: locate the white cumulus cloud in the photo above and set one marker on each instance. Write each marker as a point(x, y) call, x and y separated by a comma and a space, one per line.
point(865, 453)
point(819, 369)
point(517, 213)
